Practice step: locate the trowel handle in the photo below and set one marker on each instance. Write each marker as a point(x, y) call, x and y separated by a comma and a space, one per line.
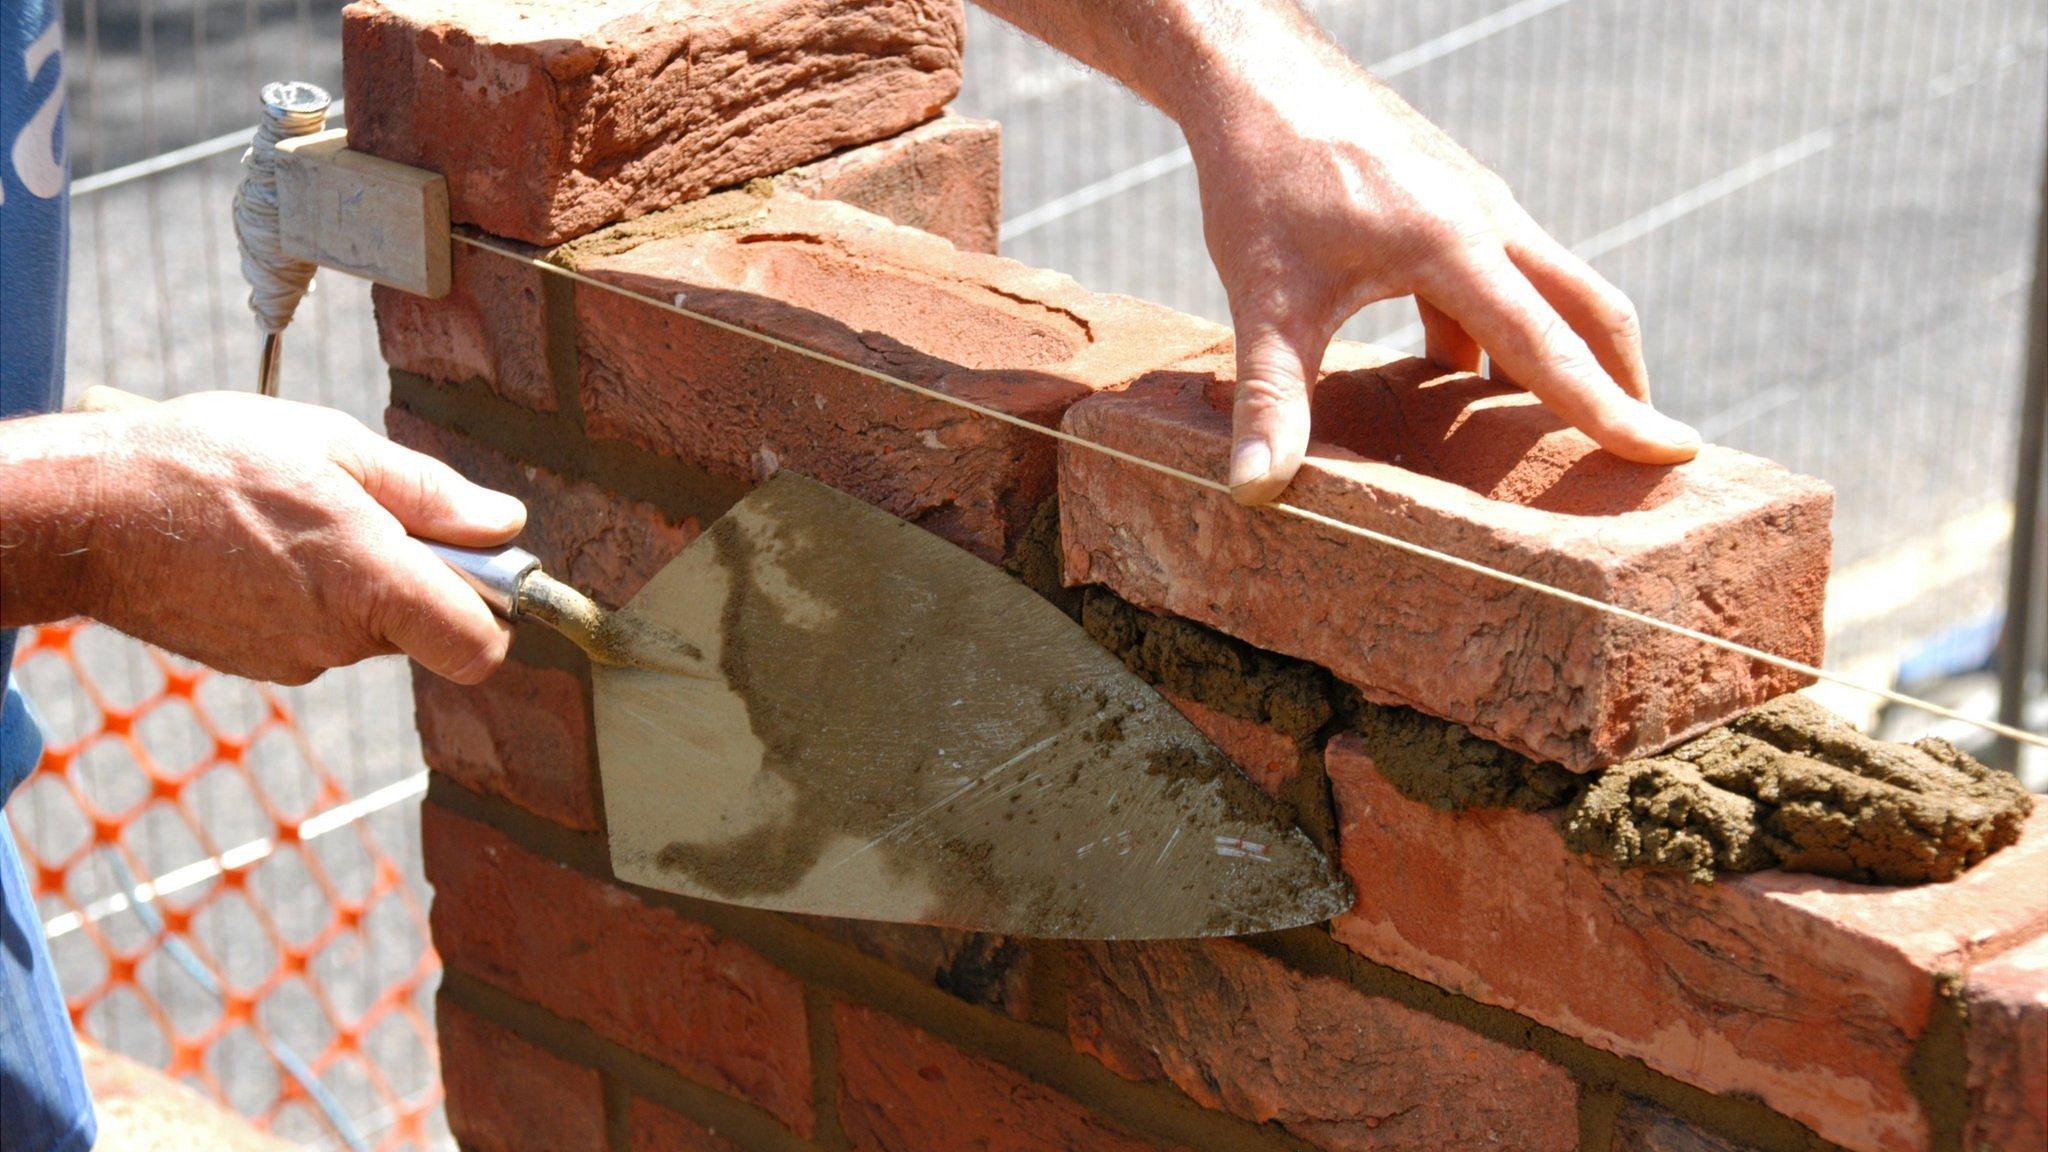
point(510, 580)
point(496, 573)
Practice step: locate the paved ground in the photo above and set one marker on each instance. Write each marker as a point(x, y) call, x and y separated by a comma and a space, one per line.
point(1822, 210)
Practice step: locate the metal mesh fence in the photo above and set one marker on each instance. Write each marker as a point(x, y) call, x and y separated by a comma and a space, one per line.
point(1823, 211)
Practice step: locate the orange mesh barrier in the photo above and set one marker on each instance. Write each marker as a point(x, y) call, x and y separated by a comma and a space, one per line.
point(218, 904)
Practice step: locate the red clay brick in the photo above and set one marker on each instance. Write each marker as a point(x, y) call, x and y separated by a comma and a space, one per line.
point(552, 118)
point(523, 734)
point(656, 1129)
point(1240, 1031)
point(832, 278)
point(902, 1090)
point(641, 975)
point(945, 177)
point(142, 1110)
point(980, 968)
point(506, 1095)
point(1729, 544)
point(1269, 757)
point(489, 327)
point(2008, 1050)
point(1643, 1127)
point(1804, 992)
point(603, 543)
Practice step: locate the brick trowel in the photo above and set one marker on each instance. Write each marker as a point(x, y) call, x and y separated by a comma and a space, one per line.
point(818, 707)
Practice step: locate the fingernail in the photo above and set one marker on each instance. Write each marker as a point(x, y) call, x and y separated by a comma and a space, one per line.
point(1675, 432)
point(499, 508)
point(1250, 461)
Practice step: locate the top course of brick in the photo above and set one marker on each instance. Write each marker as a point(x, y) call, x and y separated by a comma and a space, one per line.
point(1728, 544)
point(553, 118)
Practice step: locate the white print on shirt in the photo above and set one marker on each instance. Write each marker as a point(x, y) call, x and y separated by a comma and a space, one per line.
point(36, 162)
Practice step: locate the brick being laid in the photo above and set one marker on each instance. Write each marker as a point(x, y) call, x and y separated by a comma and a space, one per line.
point(826, 276)
point(553, 118)
point(1728, 544)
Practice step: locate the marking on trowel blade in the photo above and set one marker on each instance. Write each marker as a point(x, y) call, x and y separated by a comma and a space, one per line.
point(1164, 849)
point(1241, 847)
point(1121, 841)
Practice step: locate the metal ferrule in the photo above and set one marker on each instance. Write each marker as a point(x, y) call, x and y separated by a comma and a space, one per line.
point(495, 573)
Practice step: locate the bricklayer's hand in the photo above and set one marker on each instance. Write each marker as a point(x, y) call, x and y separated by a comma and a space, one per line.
point(262, 537)
point(1323, 191)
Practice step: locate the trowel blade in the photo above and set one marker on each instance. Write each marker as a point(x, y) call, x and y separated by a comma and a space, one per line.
point(887, 728)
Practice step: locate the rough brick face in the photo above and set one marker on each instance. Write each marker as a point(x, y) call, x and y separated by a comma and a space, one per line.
point(1728, 544)
point(524, 734)
point(945, 177)
point(838, 280)
point(605, 544)
point(507, 1095)
point(902, 1090)
point(1268, 756)
point(1804, 992)
point(639, 975)
point(656, 1129)
point(489, 327)
point(2008, 1050)
point(552, 118)
point(1345, 1071)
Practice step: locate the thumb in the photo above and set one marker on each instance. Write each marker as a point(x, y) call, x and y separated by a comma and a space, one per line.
point(1270, 418)
point(432, 500)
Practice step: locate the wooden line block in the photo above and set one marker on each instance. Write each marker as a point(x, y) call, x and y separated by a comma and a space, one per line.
point(362, 214)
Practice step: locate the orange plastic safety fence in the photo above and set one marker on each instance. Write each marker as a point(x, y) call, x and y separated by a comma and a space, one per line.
point(215, 903)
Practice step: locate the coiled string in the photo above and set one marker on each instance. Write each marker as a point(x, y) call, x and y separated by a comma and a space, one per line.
point(277, 282)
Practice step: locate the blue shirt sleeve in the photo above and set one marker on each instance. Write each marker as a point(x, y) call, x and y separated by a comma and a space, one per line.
point(44, 1105)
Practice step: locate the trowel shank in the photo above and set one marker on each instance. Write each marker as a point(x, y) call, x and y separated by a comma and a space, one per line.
point(513, 583)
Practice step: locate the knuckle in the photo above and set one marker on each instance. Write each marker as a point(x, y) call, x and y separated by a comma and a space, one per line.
point(1620, 317)
point(1263, 393)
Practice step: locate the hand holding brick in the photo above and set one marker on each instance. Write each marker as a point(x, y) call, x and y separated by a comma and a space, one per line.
point(1729, 544)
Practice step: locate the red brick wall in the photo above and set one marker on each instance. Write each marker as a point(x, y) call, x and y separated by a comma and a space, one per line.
point(1491, 989)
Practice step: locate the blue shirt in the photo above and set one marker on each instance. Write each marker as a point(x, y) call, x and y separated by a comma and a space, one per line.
point(44, 1106)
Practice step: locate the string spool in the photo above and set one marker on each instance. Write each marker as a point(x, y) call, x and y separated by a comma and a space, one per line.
point(276, 282)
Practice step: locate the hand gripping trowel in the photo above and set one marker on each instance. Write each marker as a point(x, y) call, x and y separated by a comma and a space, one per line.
point(818, 707)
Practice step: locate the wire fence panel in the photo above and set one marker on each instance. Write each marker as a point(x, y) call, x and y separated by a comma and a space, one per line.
point(1823, 211)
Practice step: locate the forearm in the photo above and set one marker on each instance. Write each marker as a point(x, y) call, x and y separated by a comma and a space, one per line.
point(1202, 62)
point(52, 471)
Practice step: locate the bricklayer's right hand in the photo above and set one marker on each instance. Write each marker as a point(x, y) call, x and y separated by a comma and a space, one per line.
point(265, 538)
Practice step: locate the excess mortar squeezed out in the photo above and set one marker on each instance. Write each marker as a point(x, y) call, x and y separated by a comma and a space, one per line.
point(1788, 785)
